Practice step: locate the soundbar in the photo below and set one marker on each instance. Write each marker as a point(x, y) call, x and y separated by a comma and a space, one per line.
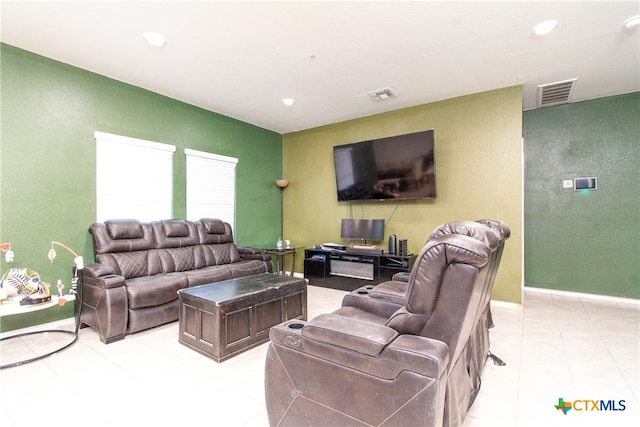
point(364, 251)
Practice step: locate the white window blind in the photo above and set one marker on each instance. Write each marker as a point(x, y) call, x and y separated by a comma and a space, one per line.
point(134, 178)
point(211, 186)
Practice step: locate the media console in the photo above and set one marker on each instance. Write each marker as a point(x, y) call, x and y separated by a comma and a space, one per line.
point(347, 270)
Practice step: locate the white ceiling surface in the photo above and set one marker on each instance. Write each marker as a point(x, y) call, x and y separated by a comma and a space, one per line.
point(241, 58)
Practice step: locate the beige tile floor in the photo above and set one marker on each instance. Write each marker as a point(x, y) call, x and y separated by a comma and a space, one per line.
point(554, 346)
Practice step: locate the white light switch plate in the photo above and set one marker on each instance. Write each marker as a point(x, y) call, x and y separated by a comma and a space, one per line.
point(567, 183)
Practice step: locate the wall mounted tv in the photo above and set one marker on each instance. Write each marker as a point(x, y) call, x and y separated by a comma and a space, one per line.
point(368, 230)
point(399, 167)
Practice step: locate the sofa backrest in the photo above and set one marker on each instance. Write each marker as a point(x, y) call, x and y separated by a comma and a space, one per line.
point(178, 244)
point(136, 249)
point(459, 297)
point(444, 290)
point(473, 229)
point(126, 245)
point(216, 241)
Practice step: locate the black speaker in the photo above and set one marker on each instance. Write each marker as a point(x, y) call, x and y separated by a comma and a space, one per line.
point(392, 244)
point(403, 247)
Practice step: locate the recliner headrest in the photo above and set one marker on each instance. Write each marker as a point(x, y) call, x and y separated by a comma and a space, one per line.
point(502, 229)
point(175, 228)
point(124, 229)
point(473, 229)
point(213, 226)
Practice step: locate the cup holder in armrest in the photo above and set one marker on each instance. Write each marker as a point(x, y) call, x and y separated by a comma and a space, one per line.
point(295, 325)
point(363, 292)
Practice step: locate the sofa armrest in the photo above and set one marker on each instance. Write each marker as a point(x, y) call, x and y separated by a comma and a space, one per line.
point(368, 347)
point(104, 302)
point(322, 370)
point(102, 276)
point(351, 334)
point(401, 276)
point(247, 252)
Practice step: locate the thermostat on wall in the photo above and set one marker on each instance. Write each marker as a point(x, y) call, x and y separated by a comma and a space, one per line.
point(585, 183)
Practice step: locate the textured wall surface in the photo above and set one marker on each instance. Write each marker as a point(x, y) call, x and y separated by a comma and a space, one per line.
point(478, 151)
point(584, 241)
point(50, 111)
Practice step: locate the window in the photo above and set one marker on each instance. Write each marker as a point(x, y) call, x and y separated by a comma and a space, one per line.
point(211, 186)
point(133, 178)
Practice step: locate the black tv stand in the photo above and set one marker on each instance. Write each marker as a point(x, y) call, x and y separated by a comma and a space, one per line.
point(349, 270)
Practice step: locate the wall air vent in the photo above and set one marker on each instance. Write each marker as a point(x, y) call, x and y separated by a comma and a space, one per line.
point(382, 94)
point(555, 93)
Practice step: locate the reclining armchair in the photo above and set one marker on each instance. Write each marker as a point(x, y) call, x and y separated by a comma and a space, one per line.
point(387, 297)
point(355, 367)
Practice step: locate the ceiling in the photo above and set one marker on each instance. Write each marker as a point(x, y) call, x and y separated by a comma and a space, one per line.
point(241, 58)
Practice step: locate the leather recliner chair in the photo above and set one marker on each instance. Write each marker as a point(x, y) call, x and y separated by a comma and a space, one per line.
point(389, 296)
point(355, 367)
point(385, 298)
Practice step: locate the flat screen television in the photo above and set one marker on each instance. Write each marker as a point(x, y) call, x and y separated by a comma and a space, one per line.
point(399, 167)
point(366, 230)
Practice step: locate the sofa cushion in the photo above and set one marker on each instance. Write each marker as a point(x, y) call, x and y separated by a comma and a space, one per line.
point(224, 253)
point(124, 229)
point(177, 259)
point(154, 290)
point(248, 268)
point(132, 264)
point(203, 276)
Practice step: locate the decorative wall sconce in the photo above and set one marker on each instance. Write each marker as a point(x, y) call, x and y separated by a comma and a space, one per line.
point(282, 183)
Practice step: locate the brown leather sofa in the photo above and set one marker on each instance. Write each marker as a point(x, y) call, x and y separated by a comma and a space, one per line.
point(140, 267)
point(416, 366)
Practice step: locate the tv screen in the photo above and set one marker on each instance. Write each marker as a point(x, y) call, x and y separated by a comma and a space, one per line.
point(397, 167)
point(362, 229)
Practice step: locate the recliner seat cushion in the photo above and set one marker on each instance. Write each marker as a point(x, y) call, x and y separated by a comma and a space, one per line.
point(204, 276)
point(154, 290)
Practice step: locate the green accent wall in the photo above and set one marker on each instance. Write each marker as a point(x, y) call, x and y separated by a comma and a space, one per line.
point(478, 151)
point(50, 111)
point(584, 241)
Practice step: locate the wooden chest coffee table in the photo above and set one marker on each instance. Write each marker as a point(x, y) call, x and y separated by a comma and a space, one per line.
point(225, 318)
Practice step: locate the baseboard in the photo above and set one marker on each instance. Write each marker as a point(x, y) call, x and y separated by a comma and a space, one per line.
point(68, 323)
point(506, 304)
point(596, 297)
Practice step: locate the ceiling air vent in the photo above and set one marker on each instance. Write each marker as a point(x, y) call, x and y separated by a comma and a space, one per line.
point(382, 94)
point(555, 93)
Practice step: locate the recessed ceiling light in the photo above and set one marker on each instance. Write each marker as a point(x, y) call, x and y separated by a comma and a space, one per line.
point(155, 39)
point(544, 28)
point(633, 22)
point(288, 102)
